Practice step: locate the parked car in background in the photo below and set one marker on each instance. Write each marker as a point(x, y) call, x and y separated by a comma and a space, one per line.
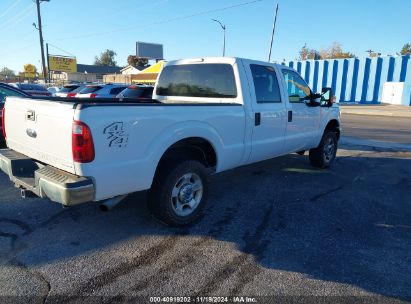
point(73, 93)
point(68, 88)
point(32, 89)
point(101, 91)
point(141, 92)
point(53, 90)
point(7, 90)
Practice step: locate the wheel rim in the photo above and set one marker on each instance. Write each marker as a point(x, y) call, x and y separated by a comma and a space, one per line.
point(187, 194)
point(329, 149)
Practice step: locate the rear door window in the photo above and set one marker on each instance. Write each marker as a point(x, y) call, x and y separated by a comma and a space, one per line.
point(265, 84)
point(198, 80)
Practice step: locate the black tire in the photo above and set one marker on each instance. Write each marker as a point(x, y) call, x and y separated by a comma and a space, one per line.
point(323, 156)
point(182, 176)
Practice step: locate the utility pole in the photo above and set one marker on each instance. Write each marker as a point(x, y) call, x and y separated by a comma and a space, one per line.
point(224, 28)
point(43, 61)
point(48, 63)
point(272, 34)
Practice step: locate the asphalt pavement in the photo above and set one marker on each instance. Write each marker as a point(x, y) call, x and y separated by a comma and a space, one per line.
point(277, 228)
point(382, 132)
point(380, 109)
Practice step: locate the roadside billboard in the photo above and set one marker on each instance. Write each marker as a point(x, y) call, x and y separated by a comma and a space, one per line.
point(63, 64)
point(149, 50)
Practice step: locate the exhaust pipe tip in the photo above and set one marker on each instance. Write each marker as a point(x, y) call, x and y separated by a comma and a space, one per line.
point(26, 194)
point(111, 203)
point(104, 208)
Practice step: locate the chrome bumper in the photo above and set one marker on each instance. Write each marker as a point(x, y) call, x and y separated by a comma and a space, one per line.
point(46, 181)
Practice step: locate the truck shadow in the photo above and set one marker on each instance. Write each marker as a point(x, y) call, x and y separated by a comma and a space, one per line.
point(350, 225)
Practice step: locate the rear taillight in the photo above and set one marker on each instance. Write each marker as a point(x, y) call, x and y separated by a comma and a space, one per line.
point(71, 94)
point(82, 143)
point(93, 95)
point(3, 121)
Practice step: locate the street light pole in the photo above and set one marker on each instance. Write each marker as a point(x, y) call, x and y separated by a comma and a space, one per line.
point(43, 61)
point(224, 29)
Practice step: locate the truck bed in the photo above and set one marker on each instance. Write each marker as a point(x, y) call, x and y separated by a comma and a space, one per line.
point(129, 137)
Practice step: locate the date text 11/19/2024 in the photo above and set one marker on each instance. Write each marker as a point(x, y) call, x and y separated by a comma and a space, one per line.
point(200, 299)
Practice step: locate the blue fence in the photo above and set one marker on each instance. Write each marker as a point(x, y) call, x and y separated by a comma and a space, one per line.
point(355, 80)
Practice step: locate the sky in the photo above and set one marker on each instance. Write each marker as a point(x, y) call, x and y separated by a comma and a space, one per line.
point(85, 28)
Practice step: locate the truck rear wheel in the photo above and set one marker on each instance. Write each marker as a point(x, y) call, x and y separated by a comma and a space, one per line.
point(323, 156)
point(179, 193)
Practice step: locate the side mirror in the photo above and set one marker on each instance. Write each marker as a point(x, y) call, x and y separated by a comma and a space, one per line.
point(313, 100)
point(327, 97)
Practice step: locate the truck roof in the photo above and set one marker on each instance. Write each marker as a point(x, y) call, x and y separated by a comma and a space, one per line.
point(227, 60)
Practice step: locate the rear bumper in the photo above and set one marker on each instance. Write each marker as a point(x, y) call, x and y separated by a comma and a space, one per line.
point(46, 181)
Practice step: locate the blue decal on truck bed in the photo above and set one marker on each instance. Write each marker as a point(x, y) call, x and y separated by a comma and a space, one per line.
point(115, 135)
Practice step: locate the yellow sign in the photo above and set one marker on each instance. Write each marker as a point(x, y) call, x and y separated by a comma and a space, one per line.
point(63, 64)
point(29, 75)
point(29, 69)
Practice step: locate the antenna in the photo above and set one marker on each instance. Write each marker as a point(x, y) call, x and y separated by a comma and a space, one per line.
point(272, 34)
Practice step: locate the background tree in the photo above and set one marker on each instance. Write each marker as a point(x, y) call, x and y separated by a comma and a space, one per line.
point(5, 71)
point(307, 53)
point(106, 58)
point(335, 51)
point(137, 61)
point(406, 49)
point(30, 68)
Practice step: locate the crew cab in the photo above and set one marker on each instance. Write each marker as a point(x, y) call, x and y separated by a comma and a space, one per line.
point(207, 115)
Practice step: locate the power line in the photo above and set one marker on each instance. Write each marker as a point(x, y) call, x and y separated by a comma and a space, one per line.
point(9, 8)
point(60, 49)
point(19, 50)
point(18, 17)
point(163, 22)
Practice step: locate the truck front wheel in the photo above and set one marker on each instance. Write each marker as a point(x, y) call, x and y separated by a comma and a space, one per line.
point(323, 156)
point(179, 193)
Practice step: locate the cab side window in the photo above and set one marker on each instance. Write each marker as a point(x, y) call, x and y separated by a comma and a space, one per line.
point(265, 84)
point(297, 88)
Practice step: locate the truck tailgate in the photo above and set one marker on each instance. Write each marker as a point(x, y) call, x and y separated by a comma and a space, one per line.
point(41, 129)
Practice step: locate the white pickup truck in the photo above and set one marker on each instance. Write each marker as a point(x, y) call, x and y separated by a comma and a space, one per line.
point(207, 115)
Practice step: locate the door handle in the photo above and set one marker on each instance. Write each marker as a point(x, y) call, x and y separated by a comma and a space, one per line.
point(290, 116)
point(257, 120)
